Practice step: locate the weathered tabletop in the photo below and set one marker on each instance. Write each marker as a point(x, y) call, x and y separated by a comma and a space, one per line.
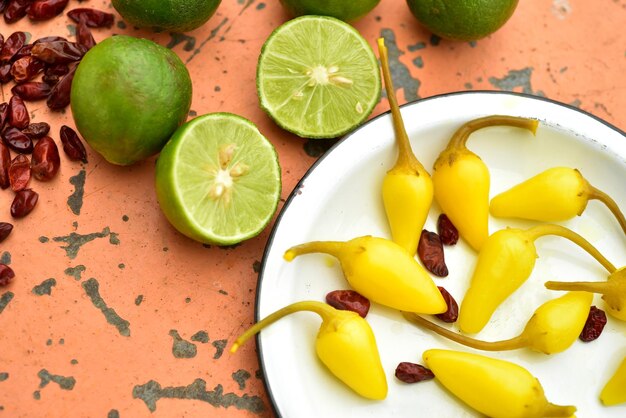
point(114, 314)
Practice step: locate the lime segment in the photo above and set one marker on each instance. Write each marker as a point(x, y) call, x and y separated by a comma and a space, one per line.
point(218, 179)
point(317, 77)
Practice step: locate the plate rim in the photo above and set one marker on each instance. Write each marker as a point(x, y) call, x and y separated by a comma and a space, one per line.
point(297, 187)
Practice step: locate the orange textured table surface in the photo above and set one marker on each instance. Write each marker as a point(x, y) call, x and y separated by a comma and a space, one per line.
point(113, 313)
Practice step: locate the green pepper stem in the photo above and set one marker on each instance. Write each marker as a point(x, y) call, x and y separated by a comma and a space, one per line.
point(510, 344)
point(459, 139)
point(327, 247)
point(554, 411)
point(610, 203)
point(561, 231)
point(322, 309)
point(406, 157)
point(593, 287)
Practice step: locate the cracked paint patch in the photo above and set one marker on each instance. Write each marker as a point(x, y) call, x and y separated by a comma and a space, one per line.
point(240, 376)
point(113, 413)
point(219, 345)
point(201, 337)
point(182, 348)
point(400, 74)
point(91, 287)
point(75, 272)
point(4, 376)
point(5, 258)
point(317, 147)
point(65, 383)
point(151, 392)
point(45, 288)
point(5, 299)
point(75, 200)
point(75, 241)
point(516, 79)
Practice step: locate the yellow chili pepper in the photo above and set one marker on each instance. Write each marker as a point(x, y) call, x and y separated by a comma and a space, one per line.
point(345, 344)
point(461, 179)
point(557, 194)
point(407, 188)
point(381, 271)
point(553, 328)
point(504, 263)
point(496, 388)
point(614, 392)
point(613, 291)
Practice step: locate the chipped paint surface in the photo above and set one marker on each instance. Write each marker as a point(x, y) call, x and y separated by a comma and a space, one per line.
point(119, 266)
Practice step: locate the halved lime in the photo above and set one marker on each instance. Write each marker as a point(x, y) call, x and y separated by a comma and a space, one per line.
point(218, 179)
point(317, 77)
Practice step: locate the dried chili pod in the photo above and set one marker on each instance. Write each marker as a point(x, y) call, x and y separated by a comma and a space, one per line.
point(46, 9)
point(430, 252)
point(15, 10)
point(23, 52)
point(13, 44)
point(36, 130)
point(59, 97)
point(349, 300)
point(452, 314)
point(49, 39)
point(94, 18)
point(23, 203)
point(5, 162)
point(26, 68)
point(72, 145)
point(5, 230)
point(412, 372)
point(83, 34)
point(46, 160)
point(447, 231)
point(4, 114)
point(58, 52)
point(19, 172)
point(3, 6)
point(31, 90)
point(6, 274)
point(5, 72)
point(18, 114)
point(17, 141)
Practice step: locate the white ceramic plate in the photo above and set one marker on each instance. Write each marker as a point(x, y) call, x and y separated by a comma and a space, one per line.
point(339, 199)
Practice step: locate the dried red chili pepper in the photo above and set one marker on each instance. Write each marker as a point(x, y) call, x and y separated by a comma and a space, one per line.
point(3, 6)
point(412, 373)
point(46, 159)
point(349, 300)
point(23, 203)
point(452, 314)
point(83, 34)
point(15, 10)
point(18, 114)
point(49, 39)
point(5, 73)
point(430, 252)
point(23, 52)
point(447, 231)
point(5, 163)
point(36, 130)
point(4, 114)
point(19, 172)
point(6, 274)
point(594, 325)
point(58, 52)
point(72, 145)
point(13, 44)
point(17, 141)
point(26, 68)
point(94, 18)
point(59, 96)
point(46, 9)
point(5, 230)
point(32, 90)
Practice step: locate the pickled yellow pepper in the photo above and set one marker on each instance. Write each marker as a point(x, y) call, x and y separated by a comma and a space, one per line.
point(556, 194)
point(407, 187)
point(613, 291)
point(504, 263)
point(461, 179)
point(553, 328)
point(345, 344)
point(382, 271)
point(614, 391)
point(496, 388)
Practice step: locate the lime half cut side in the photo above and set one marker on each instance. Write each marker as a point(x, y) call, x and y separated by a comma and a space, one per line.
point(317, 77)
point(218, 179)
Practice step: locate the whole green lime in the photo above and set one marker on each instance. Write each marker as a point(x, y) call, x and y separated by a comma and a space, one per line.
point(341, 9)
point(128, 96)
point(462, 20)
point(169, 15)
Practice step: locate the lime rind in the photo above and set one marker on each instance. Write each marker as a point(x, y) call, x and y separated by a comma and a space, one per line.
point(186, 169)
point(324, 110)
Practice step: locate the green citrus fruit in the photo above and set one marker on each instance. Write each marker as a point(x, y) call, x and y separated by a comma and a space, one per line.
point(341, 9)
point(128, 96)
point(317, 77)
point(462, 20)
point(218, 179)
point(170, 15)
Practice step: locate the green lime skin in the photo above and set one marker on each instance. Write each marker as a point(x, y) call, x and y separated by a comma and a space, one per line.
point(168, 15)
point(348, 11)
point(128, 96)
point(462, 20)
